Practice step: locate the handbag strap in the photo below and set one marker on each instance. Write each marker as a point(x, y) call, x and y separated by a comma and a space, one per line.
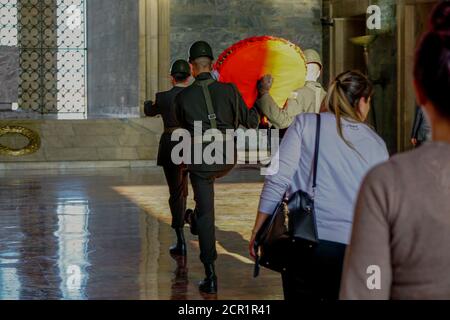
point(316, 153)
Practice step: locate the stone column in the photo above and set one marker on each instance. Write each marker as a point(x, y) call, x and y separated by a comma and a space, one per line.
point(154, 48)
point(113, 58)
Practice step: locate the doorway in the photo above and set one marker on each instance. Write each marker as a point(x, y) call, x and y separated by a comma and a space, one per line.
point(345, 55)
point(412, 23)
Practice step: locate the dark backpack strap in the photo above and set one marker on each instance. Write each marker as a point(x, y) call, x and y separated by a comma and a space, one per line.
point(316, 152)
point(236, 106)
point(209, 105)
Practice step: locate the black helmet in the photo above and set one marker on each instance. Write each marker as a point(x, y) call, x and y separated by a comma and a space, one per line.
point(180, 67)
point(200, 49)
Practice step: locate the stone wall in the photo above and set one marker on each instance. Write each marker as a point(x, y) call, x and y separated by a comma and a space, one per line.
point(326, 15)
point(224, 22)
point(87, 140)
point(113, 58)
point(9, 76)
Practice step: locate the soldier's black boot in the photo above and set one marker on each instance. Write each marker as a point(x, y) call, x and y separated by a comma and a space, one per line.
point(190, 219)
point(180, 248)
point(209, 285)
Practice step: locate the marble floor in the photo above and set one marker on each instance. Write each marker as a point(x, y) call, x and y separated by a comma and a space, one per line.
point(104, 234)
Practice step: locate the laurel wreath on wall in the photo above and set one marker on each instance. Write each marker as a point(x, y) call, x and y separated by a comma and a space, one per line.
point(34, 141)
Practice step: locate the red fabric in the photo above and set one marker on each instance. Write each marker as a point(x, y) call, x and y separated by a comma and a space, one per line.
point(245, 62)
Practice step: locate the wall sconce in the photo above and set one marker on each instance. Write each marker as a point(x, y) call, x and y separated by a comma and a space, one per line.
point(365, 42)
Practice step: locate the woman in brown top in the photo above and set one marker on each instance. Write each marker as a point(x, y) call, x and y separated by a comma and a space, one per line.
point(400, 247)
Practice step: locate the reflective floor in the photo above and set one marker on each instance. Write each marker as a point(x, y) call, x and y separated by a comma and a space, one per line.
point(104, 234)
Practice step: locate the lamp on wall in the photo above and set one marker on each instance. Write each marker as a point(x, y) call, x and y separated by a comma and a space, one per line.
point(365, 42)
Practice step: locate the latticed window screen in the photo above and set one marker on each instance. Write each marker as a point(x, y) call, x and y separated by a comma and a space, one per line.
point(50, 36)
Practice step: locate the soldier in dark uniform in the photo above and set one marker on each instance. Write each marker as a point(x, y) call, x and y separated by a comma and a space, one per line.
point(217, 106)
point(176, 175)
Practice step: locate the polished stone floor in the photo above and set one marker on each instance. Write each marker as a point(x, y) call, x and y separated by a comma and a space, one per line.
point(104, 234)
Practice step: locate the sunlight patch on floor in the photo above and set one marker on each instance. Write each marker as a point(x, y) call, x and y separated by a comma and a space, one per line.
point(236, 204)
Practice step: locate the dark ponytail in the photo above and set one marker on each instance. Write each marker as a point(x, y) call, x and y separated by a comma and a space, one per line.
point(432, 64)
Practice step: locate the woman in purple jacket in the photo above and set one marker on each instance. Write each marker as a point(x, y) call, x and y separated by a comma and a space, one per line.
point(349, 148)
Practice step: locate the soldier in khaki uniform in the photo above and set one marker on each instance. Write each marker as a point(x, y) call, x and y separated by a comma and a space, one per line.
point(307, 99)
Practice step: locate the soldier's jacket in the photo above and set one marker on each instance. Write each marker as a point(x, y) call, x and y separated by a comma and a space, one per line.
point(304, 100)
point(165, 106)
point(228, 107)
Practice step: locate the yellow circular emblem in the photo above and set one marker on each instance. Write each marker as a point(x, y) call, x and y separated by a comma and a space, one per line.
point(33, 145)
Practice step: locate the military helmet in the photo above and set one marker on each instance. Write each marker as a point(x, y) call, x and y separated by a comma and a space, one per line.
point(200, 49)
point(312, 56)
point(180, 67)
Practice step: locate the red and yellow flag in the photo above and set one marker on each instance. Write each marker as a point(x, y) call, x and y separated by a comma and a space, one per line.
point(249, 60)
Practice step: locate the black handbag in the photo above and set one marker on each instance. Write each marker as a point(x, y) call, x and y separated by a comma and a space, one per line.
point(292, 223)
point(272, 241)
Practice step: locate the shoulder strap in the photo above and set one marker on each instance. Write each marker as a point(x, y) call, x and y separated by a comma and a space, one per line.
point(209, 105)
point(316, 152)
point(318, 100)
point(318, 94)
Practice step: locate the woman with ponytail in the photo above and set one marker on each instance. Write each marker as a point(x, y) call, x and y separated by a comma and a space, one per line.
point(402, 219)
point(348, 149)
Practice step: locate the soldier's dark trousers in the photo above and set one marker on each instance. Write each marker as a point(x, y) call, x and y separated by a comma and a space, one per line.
point(203, 186)
point(177, 180)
